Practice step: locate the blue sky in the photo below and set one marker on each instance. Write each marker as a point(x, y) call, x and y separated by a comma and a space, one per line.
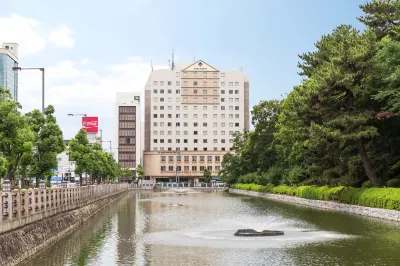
point(103, 46)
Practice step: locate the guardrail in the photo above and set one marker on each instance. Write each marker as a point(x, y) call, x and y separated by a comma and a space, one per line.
point(25, 206)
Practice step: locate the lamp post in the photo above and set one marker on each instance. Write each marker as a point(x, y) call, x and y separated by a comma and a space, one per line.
point(85, 129)
point(34, 68)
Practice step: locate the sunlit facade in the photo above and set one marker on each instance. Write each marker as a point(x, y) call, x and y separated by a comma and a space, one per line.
point(8, 76)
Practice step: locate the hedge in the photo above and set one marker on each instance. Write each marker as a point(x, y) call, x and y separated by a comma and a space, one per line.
point(386, 198)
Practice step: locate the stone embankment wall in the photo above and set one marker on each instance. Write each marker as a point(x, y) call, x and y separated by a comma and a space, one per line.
point(17, 245)
point(354, 209)
point(22, 207)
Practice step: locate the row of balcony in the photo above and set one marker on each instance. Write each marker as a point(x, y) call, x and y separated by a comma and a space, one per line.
point(217, 162)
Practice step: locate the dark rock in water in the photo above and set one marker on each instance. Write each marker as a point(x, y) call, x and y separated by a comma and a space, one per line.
point(252, 232)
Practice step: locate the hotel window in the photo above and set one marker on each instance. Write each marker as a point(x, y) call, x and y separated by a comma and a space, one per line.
point(194, 168)
point(195, 100)
point(217, 168)
point(161, 99)
point(163, 158)
point(177, 107)
point(185, 124)
point(161, 115)
point(178, 116)
point(209, 159)
point(215, 133)
point(205, 107)
point(215, 124)
point(195, 116)
point(185, 91)
point(236, 91)
point(169, 107)
point(204, 140)
point(222, 108)
point(161, 140)
point(194, 158)
point(155, 124)
point(155, 132)
point(194, 83)
point(204, 100)
point(170, 168)
point(178, 74)
point(155, 83)
point(204, 74)
point(185, 100)
point(169, 140)
point(230, 91)
point(204, 115)
point(169, 132)
point(155, 149)
point(178, 83)
point(161, 91)
point(195, 141)
point(155, 99)
point(185, 141)
point(186, 159)
point(222, 100)
point(185, 83)
point(236, 108)
point(155, 91)
point(161, 124)
point(215, 92)
point(169, 83)
point(222, 132)
point(185, 107)
point(194, 91)
point(201, 168)
point(161, 83)
point(222, 149)
point(195, 132)
point(236, 83)
point(201, 158)
point(154, 115)
point(155, 107)
point(222, 75)
point(215, 141)
point(215, 100)
point(204, 83)
point(204, 132)
point(230, 108)
point(204, 149)
point(236, 100)
point(161, 132)
point(222, 91)
point(230, 116)
point(230, 124)
point(204, 91)
point(178, 132)
point(154, 140)
point(161, 148)
point(222, 140)
point(195, 107)
point(178, 99)
point(162, 107)
point(195, 74)
point(185, 74)
point(204, 124)
point(178, 91)
point(169, 124)
point(223, 116)
point(215, 116)
point(215, 83)
point(169, 99)
point(236, 115)
point(230, 140)
point(236, 124)
point(231, 133)
point(231, 100)
point(223, 124)
point(185, 132)
point(195, 149)
point(230, 83)
point(195, 124)
point(214, 74)
point(222, 83)
point(215, 108)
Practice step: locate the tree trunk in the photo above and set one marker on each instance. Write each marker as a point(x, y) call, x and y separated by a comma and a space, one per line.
point(367, 164)
point(37, 181)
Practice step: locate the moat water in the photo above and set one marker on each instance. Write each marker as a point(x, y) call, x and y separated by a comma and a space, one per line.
point(146, 228)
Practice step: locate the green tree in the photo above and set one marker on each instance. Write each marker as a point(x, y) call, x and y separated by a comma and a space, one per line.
point(207, 175)
point(80, 153)
point(140, 172)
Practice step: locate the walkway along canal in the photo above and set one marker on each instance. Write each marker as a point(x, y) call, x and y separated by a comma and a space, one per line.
point(158, 228)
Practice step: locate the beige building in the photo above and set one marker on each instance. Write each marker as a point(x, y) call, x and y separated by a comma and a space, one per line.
point(191, 114)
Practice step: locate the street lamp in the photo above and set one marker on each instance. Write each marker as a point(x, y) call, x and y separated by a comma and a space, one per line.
point(34, 68)
point(85, 121)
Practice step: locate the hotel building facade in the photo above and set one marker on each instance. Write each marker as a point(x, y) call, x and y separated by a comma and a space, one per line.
point(191, 114)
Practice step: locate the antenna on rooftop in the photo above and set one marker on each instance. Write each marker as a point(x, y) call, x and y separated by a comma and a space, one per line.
point(173, 64)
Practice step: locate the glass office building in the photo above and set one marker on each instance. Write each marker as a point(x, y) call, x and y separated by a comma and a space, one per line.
point(8, 76)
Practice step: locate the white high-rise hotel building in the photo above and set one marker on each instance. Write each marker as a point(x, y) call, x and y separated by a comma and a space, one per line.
point(191, 115)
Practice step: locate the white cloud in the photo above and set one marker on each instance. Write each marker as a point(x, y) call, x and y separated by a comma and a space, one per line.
point(61, 37)
point(72, 88)
point(32, 36)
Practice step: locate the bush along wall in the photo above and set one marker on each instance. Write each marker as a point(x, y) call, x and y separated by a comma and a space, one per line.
point(386, 198)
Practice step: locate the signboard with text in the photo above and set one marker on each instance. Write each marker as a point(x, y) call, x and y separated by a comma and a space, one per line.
point(90, 124)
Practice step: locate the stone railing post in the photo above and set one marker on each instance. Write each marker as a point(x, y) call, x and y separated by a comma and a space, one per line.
point(23, 199)
point(6, 200)
point(30, 201)
point(15, 204)
point(42, 196)
point(36, 200)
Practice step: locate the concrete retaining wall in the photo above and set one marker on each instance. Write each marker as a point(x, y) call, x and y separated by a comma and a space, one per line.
point(17, 245)
point(354, 209)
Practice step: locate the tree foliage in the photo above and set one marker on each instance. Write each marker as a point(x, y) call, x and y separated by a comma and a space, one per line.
point(341, 125)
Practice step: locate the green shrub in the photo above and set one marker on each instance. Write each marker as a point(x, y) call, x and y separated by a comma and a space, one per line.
point(295, 175)
point(393, 183)
point(367, 184)
point(249, 178)
point(274, 175)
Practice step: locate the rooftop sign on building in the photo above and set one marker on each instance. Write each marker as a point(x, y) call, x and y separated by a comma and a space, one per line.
point(90, 124)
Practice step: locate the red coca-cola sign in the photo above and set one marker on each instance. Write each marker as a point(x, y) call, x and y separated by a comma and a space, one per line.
point(90, 124)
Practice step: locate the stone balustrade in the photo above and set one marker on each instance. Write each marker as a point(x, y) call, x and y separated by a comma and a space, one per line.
point(25, 206)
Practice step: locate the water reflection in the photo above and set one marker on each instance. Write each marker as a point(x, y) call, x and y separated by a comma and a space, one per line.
point(147, 228)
